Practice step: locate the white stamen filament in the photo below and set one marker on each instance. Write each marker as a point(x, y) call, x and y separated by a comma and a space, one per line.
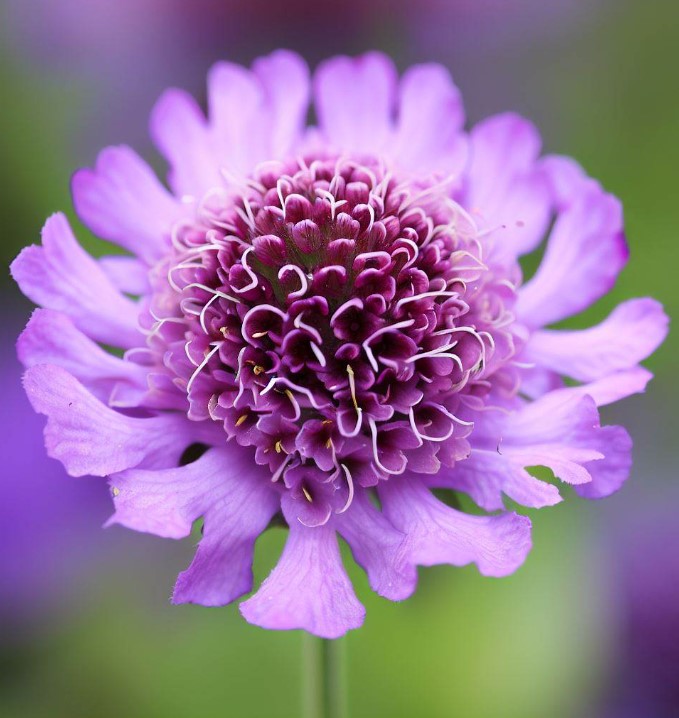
point(355, 302)
point(371, 212)
point(454, 418)
point(415, 255)
point(366, 344)
point(160, 322)
point(300, 324)
point(202, 365)
point(352, 386)
point(254, 279)
point(295, 387)
point(376, 458)
point(204, 310)
point(334, 203)
point(350, 486)
point(260, 308)
point(279, 471)
point(172, 270)
point(188, 356)
point(357, 428)
point(424, 437)
point(302, 279)
point(424, 295)
point(318, 353)
point(216, 292)
point(437, 354)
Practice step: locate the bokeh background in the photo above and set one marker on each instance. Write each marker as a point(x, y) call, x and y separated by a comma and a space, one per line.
point(589, 627)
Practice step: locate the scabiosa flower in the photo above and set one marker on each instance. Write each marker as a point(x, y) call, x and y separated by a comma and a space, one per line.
point(327, 323)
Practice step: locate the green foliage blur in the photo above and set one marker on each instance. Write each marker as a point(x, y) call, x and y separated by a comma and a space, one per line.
point(540, 643)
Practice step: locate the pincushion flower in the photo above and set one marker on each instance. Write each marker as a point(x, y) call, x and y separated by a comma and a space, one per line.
point(324, 324)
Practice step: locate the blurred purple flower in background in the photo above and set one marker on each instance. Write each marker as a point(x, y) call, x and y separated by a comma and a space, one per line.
point(120, 53)
point(643, 560)
point(124, 53)
point(99, 46)
point(44, 550)
point(344, 303)
point(499, 21)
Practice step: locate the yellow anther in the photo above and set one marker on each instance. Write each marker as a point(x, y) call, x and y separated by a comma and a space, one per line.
point(241, 419)
point(224, 332)
point(328, 444)
point(278, 446)
point(258, 370)
point(307, 495)
point(115, 491)
point(327, 422)
point(259, 335)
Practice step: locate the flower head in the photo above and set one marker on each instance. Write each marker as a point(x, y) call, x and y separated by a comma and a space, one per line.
point(327, 323)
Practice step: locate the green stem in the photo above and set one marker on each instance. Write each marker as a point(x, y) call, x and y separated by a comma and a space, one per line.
point(323, 678)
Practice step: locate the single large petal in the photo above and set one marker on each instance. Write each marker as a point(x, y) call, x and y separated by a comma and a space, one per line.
point(60, 275)
point(123, 201)
point(90, 438)
point(611, 473)
point(258, 115)
point(536, 382)
point(566, 179)
point(221, 570)
point(487, 475)
point(560, 431)
point(285, 78)
point(628, 335)
point(437, 534)
point(308, 588)
point(429, 135)
point(355, 100)
point(378, 547)
point(613, 387)
point(505, 187)
point(51, 338)
point(127, 274)
point(181, 133)
point(226, 487)
point(585, 252)
point(166, 502)
point(557, 430)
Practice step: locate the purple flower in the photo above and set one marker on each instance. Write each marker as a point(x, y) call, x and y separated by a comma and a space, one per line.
point(643, 564)
point(327, 323)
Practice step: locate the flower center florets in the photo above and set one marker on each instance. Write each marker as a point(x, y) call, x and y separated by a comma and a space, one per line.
point(334, 317)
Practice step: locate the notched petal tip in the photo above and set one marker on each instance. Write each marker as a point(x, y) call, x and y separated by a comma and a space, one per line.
point(497, 544)
point(355, 99)
point(122, 200)
point(609, 474)
point(379, 548)
point(630, 334)
point(308, 589)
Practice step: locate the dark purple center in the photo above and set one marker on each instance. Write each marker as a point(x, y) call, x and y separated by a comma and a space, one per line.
point(333, 317)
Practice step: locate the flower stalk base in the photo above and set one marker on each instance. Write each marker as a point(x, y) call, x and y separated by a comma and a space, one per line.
point(323, 678)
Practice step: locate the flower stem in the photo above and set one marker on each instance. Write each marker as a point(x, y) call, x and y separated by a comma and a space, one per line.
point(323, 678)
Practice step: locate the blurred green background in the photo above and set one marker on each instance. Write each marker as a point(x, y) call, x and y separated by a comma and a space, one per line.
point(557, 639)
